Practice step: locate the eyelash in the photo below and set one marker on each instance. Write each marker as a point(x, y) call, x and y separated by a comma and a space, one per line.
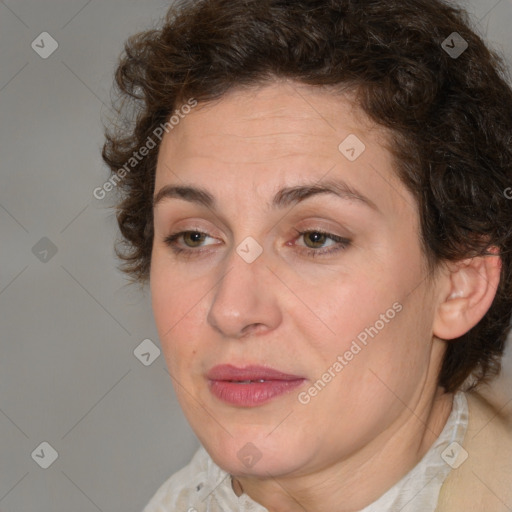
point(342, 243)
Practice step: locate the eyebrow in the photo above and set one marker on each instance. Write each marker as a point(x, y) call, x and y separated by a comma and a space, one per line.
point(285, 197)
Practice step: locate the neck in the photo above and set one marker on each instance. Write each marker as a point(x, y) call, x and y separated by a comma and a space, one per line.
point(352, 484)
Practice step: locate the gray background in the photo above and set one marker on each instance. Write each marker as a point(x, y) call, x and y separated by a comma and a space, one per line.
point(69, 322)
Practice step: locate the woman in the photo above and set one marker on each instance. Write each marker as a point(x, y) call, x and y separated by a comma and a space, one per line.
point(315, 191)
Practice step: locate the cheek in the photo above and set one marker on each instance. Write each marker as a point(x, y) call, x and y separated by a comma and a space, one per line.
point(349, 304)
point(173, 294)
point(176, 307)
point(371, 315)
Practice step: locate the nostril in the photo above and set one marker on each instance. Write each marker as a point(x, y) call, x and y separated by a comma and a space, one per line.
point(252, 329)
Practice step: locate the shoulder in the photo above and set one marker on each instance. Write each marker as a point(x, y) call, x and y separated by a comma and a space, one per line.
point(483, 482)
point(489, 434)
point(181, 490)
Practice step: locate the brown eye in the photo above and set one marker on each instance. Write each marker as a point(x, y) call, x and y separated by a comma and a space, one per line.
point(188, 240)
point(318, 243)
point(193, 238)
point(315, 239)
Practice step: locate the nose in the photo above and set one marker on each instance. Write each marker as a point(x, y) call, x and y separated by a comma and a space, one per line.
point(245, 301)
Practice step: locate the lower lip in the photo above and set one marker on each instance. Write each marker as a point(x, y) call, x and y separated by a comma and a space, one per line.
point(252, 394)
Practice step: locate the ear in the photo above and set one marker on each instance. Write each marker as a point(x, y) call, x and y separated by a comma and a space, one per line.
point(467, 293)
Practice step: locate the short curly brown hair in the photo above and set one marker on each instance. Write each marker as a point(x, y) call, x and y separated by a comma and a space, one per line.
point(450, 116)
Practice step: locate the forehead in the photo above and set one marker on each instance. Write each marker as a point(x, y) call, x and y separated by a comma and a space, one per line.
point(273, 120)
point(258, 140)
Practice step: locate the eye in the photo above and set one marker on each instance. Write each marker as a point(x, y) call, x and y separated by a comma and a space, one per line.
point(315, 240)
point(191, 240)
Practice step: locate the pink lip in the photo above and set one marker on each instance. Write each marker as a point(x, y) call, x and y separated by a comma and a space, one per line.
point(225, 382)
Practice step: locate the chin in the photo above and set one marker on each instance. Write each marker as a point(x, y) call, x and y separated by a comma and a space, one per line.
point(255, 455)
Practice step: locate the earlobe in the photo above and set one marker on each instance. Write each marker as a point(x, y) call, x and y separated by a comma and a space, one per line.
point(470, 289)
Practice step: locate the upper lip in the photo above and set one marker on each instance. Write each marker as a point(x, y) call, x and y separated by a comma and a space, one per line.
point(250, 372)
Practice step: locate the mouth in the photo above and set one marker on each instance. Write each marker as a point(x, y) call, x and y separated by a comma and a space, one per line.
point(250, 386)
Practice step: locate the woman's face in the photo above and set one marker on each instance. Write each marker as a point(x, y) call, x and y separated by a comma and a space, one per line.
point(289, 351)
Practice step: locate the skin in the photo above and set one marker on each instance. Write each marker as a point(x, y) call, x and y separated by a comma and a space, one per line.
point(294, 312)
